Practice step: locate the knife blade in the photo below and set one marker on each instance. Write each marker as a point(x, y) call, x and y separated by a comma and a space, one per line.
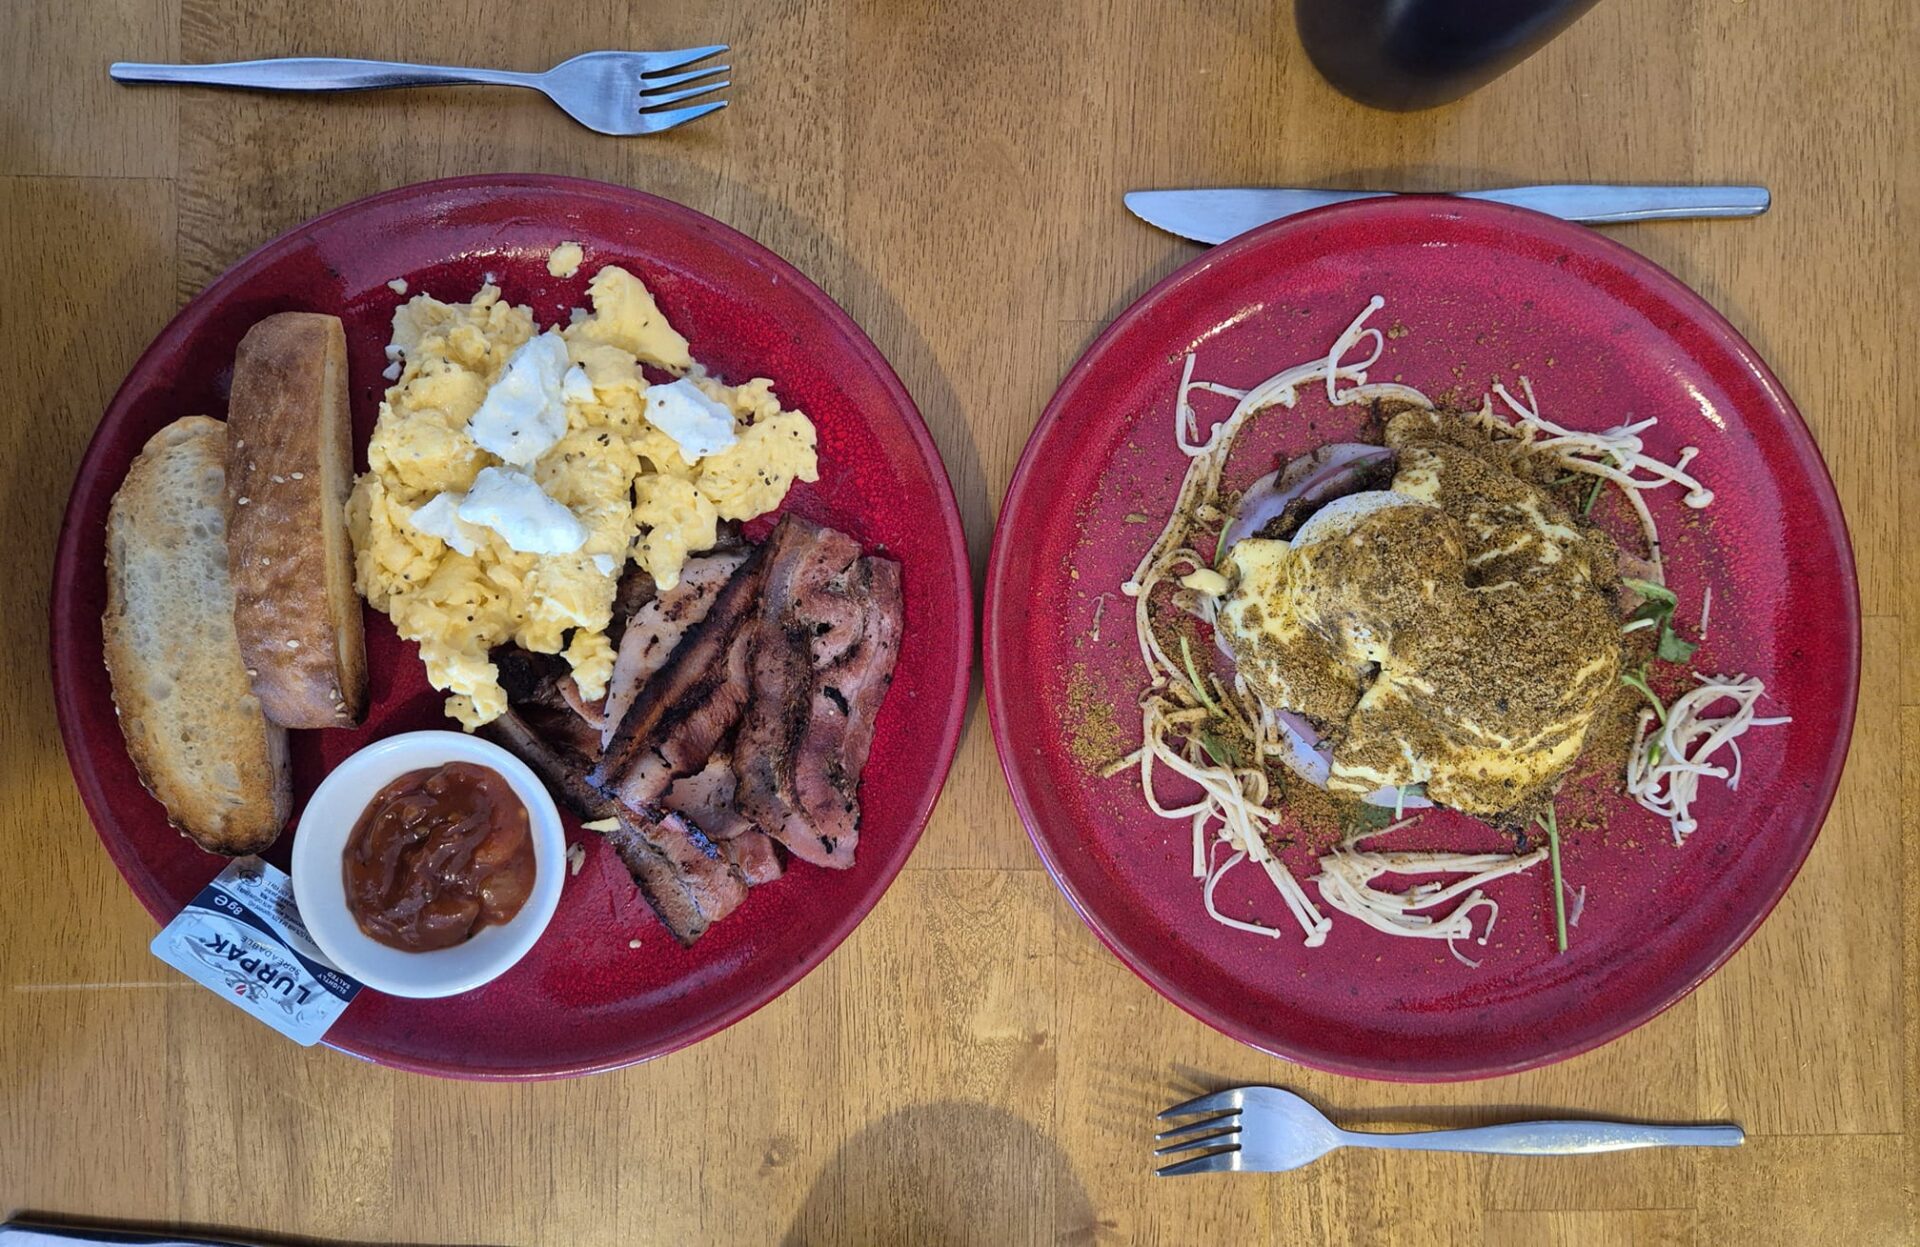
point(1215, 215)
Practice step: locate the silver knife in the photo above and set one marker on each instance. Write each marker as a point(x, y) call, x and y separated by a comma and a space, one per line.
point(1212, 216)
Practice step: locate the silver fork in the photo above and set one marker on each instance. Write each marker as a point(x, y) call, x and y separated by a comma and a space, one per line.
point(1267, 1130)
point(612, 92)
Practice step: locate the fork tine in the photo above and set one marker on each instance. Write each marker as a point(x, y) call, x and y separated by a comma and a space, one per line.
point(653, 123)
point(1230, 1120)
point(654, 82)
point(660, 61)
point(1212, 1162)
point(654, 100)
point(1211, 1103)
point(1220, 1138)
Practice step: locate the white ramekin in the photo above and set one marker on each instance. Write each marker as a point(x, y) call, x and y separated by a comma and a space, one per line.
point(319, 886)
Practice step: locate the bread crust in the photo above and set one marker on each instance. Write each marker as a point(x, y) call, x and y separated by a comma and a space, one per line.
point(194, 729)
point(289, 471)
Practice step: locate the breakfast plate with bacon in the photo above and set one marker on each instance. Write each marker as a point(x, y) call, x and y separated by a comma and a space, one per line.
point(496, 534)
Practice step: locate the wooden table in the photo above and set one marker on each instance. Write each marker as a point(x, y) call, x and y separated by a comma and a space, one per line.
point(972, 1066)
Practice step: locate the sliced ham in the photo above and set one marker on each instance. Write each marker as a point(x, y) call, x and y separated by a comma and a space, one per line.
point(656, 629)
point(693, 725)
point(823, 657)
point(706, 799)
point(690, 704)
point(855, 677)
point(740, 714)
point(564, 772)
point(592, 713)
point(753, 854)
point(542, 728)
point(682, 875)
point(634, 590)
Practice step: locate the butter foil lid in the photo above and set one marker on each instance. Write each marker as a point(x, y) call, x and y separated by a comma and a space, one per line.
point(242, 937)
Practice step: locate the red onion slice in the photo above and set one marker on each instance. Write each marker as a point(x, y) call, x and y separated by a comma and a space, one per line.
point(1332, 471)
point(1325, 474)
point(1306, 758)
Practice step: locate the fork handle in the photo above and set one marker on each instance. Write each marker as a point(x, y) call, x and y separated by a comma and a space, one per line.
point(317, 73)
point(1550, 1138)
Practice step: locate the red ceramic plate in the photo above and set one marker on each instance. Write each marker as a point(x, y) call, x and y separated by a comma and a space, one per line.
point(1480, 291)
point(583, 1000)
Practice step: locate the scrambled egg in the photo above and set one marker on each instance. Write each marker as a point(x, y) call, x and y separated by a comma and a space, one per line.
point(628, 484)
point(1458, 630)
point(564, 260)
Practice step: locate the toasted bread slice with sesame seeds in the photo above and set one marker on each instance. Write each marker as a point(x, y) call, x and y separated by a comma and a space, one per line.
point(195, 730)
point(289, 467)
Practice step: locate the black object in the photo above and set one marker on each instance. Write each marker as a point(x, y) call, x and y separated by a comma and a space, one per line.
point(30, 1231)
point(1408, 54)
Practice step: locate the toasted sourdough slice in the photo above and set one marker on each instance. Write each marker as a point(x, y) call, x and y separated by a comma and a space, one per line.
point(194, 728)
point(289, 468)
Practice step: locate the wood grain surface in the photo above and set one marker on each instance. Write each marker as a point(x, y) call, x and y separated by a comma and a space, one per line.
point(972, 1066)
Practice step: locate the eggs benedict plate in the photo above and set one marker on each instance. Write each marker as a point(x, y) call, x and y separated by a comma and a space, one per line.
point(1456, 631)
point(1183, 694)
point(1429, 619)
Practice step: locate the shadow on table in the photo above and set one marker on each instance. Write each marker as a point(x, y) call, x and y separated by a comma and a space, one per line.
point(945, 1174)
point(97, 1230)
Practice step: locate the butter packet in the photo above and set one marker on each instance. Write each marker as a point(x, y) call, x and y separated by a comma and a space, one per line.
point(242, 937)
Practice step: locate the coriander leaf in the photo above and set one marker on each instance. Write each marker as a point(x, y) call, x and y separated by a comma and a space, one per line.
point(1637, 679)
point(1364, 817)
point(1674, 647)
point(1659, 604)
point(1222, 753)
point(1660, 600)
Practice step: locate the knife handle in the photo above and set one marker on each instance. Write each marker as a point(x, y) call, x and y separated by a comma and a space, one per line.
point(1603, 205)
point(1217, 214)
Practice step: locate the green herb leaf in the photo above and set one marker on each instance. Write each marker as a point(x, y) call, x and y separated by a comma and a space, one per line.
point(1551, 822)
point(1674, 647)
point(1222, 753)
point(1659, 606)
point(1637, 680)
point(1193, 674)
point(1660, 600)
point(1593, 495)
point(1364, 817)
